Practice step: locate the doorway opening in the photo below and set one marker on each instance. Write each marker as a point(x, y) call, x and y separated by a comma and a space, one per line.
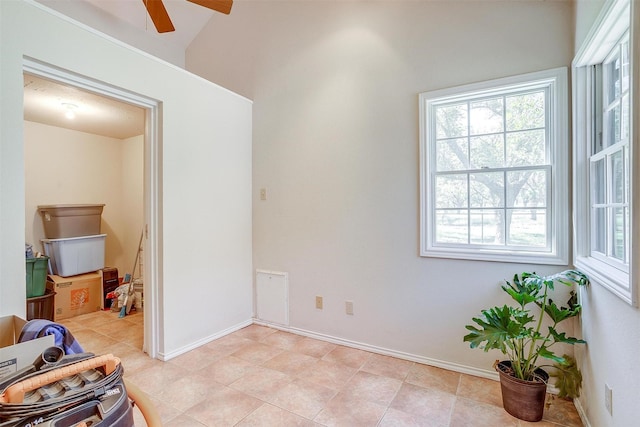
point(135, 201)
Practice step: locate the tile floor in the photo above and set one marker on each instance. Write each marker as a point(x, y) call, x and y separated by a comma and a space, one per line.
point(259, 376)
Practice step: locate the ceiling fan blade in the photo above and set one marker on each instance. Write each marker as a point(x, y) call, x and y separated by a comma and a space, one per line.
point(159, 15)
point(222, 6)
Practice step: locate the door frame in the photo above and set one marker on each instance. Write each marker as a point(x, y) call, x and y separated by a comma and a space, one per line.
point(152, 185)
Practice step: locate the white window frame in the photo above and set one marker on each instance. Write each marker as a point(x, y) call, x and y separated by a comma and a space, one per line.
point(616, 18)
point(558, 126)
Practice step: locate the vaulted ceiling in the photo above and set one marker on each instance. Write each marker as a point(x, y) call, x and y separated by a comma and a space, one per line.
point(44, 99)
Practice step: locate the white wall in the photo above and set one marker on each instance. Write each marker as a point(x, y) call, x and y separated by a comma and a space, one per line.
point(65, 167)
point(335, 88)
point(148, 41)
point(611, 327)
point(205, 173)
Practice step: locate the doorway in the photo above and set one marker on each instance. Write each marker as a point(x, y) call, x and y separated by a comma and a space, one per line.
point(139, 156)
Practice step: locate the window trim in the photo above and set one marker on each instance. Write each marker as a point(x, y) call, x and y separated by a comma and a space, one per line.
point(558, 112)
point(616, 17)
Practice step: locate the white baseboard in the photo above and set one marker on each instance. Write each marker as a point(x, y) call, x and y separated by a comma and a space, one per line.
point(582, 413)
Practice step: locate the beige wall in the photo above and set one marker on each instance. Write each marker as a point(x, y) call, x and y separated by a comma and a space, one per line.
point(335, 143)
point(68, 167)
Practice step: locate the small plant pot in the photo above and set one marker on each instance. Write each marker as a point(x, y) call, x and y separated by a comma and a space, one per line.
point(522, 399)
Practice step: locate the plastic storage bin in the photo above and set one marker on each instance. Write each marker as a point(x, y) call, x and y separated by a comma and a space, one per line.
point(41, 307)
point(75, 255)
point(36, 276)
point(63, 221)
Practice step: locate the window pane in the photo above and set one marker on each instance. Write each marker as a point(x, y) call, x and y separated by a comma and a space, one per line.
point(527, 227)
point(486, 116)
point(527, 189)
point(625, 66)
point(486, 190)
point(613, 82)
point(626, 118)
point(526, 148)
point(627, 175)
point(451, 226)
point(599, 228)
point(452, 154)
point(487, 151)
point(525, 111)
point(619, 228)
point(451, 191)
point(598, 182)
point(451, 121)
point(486, 227)
point(613, 126)
point(617, 176)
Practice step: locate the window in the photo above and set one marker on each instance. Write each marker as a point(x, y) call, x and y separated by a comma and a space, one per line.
point(491, 186)
point(603, 166)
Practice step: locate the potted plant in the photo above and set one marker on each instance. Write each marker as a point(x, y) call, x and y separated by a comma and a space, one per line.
point(526, 335)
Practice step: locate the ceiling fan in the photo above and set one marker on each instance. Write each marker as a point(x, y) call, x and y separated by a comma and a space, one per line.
point(160, 17)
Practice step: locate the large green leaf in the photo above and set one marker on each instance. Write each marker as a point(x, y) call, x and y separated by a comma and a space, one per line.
point(543, 351)
point(558, 314)
point(499, 326)
point(521, 297)
point(562, 337)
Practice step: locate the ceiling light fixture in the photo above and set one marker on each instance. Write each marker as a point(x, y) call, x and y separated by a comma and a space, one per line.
point(70, 110)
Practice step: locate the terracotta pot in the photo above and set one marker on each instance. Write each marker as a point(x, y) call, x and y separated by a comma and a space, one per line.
point(522, 399)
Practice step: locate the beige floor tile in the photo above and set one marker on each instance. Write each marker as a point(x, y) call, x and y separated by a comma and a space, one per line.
point(269, 416)
point(261, 382)
point(187, 391)
point(561, 411)
point(182, 421)
point(226, 370)
point(157, 378)
point(480, 389)
point(468, 412)
point(348, 356)
point(424, 402)
point(374, 388)
point(345, 410)
point(396, 418)
point(302, 398)
point(257, 353)
point(223, 407)
point(291, 363)
point(432, 377)
point(388, 366)
point(227, 345)
point(255, 332)
point(329, 374)
point(281, 339)
point(312, 347)
point(195, 359)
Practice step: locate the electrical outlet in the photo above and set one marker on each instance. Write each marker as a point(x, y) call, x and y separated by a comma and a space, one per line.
point(608, 396)
point(349, 307)
point(319, 303)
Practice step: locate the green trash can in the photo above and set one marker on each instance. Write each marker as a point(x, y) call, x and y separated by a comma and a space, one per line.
point(36, 276)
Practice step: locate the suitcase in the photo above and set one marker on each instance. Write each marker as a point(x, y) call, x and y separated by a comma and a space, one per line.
point(62, 391)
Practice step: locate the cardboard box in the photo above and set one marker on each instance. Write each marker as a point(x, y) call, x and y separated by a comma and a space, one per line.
point(13, 355)
point(76, 295)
